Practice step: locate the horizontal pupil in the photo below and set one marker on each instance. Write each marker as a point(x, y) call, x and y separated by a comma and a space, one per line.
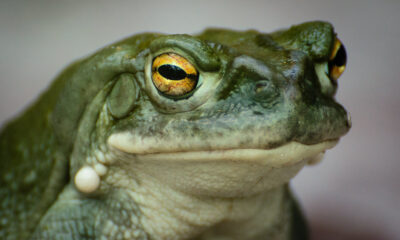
point(340, 58)
point(172, 72)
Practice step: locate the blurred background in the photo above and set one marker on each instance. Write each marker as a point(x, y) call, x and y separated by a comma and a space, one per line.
point(354, 193)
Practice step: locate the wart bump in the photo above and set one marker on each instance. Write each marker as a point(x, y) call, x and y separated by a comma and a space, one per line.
point(87, 180)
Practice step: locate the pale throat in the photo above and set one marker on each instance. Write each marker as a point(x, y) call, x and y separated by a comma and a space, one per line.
point(237, 194)
point(168, 213)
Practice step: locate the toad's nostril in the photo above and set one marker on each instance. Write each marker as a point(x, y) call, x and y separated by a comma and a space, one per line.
point(264, 92)
point(261, 86)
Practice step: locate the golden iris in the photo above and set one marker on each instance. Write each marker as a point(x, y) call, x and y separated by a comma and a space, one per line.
point(337, 60)
point(173, 75)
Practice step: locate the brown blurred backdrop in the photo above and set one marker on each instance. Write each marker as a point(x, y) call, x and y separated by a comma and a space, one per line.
point(355, 192)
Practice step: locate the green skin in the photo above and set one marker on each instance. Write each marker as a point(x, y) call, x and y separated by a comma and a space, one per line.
point(264, 86)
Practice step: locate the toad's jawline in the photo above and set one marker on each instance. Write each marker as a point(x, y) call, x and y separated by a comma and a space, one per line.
point(283, 155)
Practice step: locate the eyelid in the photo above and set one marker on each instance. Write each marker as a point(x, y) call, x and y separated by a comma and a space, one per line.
point(200, 51)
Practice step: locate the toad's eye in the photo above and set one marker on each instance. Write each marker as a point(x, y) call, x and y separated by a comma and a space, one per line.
point(337, 60)
point(174, 76)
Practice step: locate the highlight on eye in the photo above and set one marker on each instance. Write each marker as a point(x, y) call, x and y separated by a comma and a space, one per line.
point(173, 75)
point(337, 60)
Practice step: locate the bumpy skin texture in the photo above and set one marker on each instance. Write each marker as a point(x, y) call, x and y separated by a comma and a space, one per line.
point(256, 90)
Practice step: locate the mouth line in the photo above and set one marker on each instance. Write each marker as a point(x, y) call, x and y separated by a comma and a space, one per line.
point(286, 154)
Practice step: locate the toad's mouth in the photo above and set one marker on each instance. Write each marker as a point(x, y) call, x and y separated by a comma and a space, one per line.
point(283, 155)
